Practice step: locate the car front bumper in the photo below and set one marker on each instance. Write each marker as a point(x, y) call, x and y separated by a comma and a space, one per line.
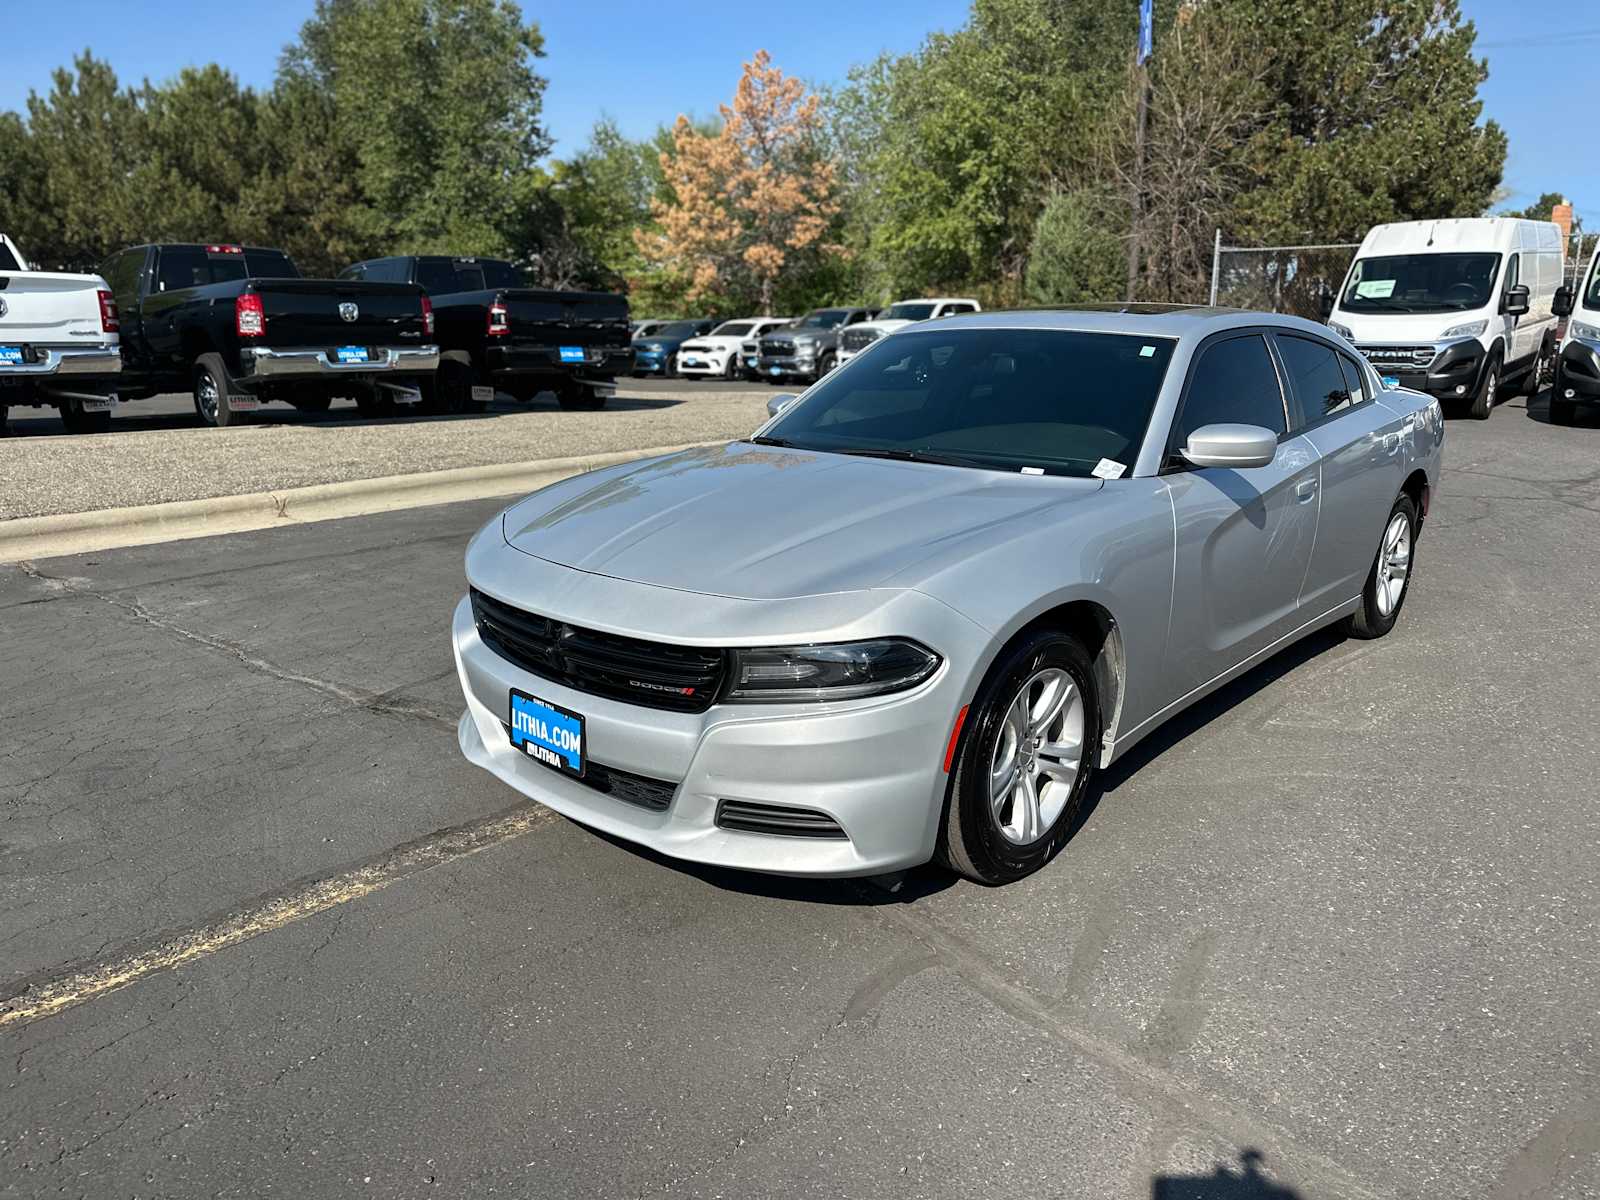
point(876, 767)
point(786, 368)
point(1453, 373)
point(266, 363)
point(702, 363)
point(651, 362)
point(1578, 371)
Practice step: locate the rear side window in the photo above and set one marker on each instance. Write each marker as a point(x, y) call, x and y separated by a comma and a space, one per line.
point(357, 272)
point(190, 267)
point(437, 276)
point(500, 275)
point(1354, 378)
point(8, 261)
point(1233, 383)
point(122, 273)
point(1318, 380)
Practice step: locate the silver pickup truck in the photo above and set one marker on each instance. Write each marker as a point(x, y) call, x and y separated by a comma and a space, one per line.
point(58, 343)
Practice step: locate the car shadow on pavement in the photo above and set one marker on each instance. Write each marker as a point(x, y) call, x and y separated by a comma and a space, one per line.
point(1538, 409)
point(1224, 1183)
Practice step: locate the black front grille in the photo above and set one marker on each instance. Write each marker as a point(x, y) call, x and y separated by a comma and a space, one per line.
point(746, 816)
point(654, 674)
point(1398, 356)
point(858, 339)
point(777, 347)
point(654, 794)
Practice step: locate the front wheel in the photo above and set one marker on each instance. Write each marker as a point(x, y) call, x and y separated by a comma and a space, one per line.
point(824, 365)
point(730, 373)
point(1389, 580)
point(1488, 388)
point(1026, 758)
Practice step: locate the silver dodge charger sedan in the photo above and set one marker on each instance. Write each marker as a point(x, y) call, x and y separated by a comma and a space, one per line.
point(915, 614)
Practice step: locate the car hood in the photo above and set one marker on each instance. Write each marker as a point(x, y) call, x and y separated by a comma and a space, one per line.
point(884, 326)
point(765, 523)
point(1404, 329)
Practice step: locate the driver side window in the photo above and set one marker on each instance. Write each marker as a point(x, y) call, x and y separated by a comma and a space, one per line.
point(1234, 382)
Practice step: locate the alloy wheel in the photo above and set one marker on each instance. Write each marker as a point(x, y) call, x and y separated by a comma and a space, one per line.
point(1394, 563)
point(205, 393)
point(1037, 756)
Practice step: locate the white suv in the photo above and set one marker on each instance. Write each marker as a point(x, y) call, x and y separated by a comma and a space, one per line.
point(717, 353)
point(897, 316)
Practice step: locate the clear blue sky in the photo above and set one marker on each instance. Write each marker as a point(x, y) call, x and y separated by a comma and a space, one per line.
point(645, 62)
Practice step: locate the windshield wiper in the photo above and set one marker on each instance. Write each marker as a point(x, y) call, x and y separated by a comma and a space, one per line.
point(921, 456)
point(769, 441)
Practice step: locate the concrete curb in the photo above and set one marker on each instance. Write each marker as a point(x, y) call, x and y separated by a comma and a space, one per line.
point(110, 528)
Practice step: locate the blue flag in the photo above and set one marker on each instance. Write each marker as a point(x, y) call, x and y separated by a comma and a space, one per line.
point(1147, 30)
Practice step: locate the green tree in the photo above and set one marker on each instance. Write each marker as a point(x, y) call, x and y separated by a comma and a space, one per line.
point(1076, 253)
point(440, 105)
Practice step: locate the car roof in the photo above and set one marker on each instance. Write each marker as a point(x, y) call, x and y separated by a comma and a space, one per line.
point(1148, 320)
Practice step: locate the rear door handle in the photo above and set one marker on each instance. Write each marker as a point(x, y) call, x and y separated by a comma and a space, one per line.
point(1305, 490)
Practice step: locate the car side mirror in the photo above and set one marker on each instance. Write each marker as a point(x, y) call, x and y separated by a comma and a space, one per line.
point(1516, 302)
point(780, 402)
point(1561, 306)
point(1237, 446)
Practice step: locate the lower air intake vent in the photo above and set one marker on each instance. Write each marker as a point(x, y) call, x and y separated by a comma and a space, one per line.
point(777, 819)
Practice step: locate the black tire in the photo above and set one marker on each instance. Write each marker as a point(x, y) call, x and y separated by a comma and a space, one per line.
point(75, 420)
point(972, 842)
point(5, 411)
point(214, 409)
point(1488, 389)
point(824, 365)
point(579, 397)
point(1562, 410)
point(313, 403)
point(1370, 621)
point(731, 372)
point(370, 402)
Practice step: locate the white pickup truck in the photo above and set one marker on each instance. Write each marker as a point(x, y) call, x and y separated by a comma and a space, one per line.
point(58, 343)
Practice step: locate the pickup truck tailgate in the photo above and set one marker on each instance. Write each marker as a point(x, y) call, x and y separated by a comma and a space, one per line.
point(45, 308)
point(543, 318)
point(331, 312)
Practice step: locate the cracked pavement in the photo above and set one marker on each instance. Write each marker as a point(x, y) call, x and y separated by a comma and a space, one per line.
point(1335, 925)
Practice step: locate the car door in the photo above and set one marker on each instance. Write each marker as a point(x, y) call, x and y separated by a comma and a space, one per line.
point(1361, 448)
point(1518, 336)
point(123, 273)
point(1244, 537)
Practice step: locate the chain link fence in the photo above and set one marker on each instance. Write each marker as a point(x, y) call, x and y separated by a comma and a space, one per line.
point(1285, 279)
point(1584, 247)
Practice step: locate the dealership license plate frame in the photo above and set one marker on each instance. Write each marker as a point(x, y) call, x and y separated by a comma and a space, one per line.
point(11, 356)
point(352, 354)
point(1390, 381)
point(572, 354)
point(536, 703)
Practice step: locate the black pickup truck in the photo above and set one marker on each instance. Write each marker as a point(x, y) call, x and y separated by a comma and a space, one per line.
point(495, 333)
point(239, 327)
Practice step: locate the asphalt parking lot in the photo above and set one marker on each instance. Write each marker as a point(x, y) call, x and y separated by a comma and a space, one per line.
point(263, 932)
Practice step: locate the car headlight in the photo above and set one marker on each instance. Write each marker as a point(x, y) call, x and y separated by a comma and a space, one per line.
point(840, 671)
point(1582, 329)
point(1470, 329)
point(1342, 331)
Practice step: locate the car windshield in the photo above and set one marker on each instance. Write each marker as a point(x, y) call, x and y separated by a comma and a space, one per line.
point(1421, 283)
point(678, 329)
point(825, 318)
point(908, 312)
point(999, 399)
point(732, 329)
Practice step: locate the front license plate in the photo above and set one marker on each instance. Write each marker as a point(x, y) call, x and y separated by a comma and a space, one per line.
point(482, 395)
point(777, 370)
point(572, 354)
point(352, 354)
point(690, 362)
point(10, 356)
point(99, 403)
point(1391, 381)
point(547, 733)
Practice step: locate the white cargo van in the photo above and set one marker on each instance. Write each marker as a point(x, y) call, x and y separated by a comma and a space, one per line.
point(1578, 368)
point(1457, 308)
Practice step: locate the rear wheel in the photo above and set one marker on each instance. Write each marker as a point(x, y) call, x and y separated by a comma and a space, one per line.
point(213, 385)
point(76, 420)
point(579, 397)
point(1025, 761)
point(1488, 390)
point(1390, 578)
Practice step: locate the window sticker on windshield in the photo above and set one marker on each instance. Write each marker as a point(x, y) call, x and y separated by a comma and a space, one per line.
point(1106, 469)
point(1147, 351)
point(1375, 289)
point(1033, 470)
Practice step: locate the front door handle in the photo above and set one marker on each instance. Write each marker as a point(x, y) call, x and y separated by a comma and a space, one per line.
point(1305, 490)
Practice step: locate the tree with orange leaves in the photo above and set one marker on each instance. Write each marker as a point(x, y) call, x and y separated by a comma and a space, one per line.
point(748, 201)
